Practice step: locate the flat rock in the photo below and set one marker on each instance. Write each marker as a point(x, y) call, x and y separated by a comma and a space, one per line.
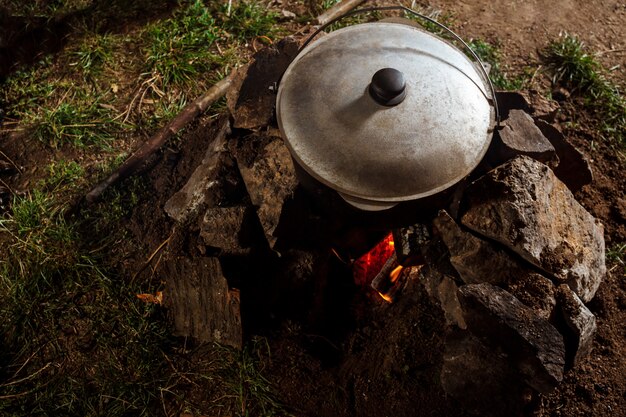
point(573, 169)
point(535, 346)
point(199, 303)
point(203, 185)
point(253, 96)
point(520, 136)
point(580, 321)
point(477, 260)
point(267, 170)
point(481, 379)
point(524, 206)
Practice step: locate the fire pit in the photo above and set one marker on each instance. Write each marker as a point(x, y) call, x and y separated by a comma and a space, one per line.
point(507, 261)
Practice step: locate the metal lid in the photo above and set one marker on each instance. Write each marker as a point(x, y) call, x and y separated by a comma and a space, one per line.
point(405, 135)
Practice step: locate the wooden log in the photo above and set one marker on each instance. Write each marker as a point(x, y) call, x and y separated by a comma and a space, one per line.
point(189, 112)
point(337, 10)
point(199, 303)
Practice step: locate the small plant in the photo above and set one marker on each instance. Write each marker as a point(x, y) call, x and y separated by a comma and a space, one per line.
point(579, 71)
point(617, 254)
point(94, 53)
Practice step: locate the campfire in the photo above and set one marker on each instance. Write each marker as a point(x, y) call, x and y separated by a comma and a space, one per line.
point(509, 257)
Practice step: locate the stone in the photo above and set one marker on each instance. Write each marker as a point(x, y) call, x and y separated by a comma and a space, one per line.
point(443, 292)
point(482, 380)
point(252, 99)
point(524, 206)
point(520, 136)
point(511, 100)
point(580, 321)
point(202, 187)
point(199, 302)
point(268, 173)
point(222, 228)
point(533, 344)
point(573, 169)
point(535, 291)
point(477, 260)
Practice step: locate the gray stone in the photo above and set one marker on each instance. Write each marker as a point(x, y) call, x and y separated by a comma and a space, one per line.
point(536, 292)
point(524, 206)
point(221, 227)
point(203, 183)
point(573, 169)
point(443, 292)
point(475, 259)
point(520, 136)
point(534, 345)
point(267, 170)
point(581, 322)
point(482, 380)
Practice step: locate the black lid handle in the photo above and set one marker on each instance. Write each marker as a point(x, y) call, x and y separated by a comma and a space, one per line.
point(388, 87)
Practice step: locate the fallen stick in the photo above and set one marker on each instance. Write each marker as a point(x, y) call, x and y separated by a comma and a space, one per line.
point(337, 10)
point(190, 112)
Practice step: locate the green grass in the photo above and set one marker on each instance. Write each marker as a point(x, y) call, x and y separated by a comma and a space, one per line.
point(94, 53)
point(578, 70)
point(77, 122)
point(179, 48)
point(61, 307)
point(248, 19)
point(74, 339)
point(244, 379)
point(489, 53)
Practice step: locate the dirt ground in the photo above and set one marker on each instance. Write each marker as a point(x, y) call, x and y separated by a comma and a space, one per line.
point(366, 362)
point(595, 388)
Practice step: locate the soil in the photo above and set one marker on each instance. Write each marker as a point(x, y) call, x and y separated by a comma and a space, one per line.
point(340, 351)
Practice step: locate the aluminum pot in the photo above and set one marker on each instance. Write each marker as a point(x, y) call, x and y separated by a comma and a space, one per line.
point(385, 113)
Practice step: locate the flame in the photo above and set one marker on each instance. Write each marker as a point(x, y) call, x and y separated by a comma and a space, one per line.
point(395, 274)
point(385, 297)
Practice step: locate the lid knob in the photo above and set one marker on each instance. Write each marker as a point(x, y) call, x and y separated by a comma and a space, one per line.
point(388, 87)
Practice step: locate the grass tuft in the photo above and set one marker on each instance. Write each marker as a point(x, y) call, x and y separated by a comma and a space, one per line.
point(580, 72)
point(94, 53)
point(179, 48)
point(77, 122)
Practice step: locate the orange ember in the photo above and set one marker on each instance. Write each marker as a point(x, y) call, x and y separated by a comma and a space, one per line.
point(369, 265)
